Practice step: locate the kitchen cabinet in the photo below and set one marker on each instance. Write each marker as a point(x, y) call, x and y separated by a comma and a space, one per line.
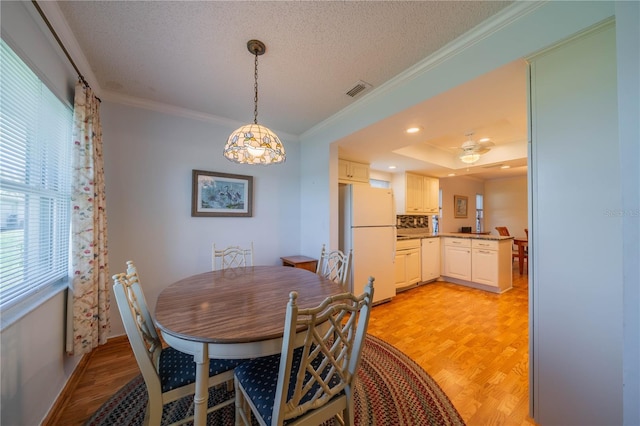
point(430, 256)
point(477, 262)
point(416, 194)
point(484, 266)
point(457, 258)
point(352, 172)
point(407, 263)
point(491, 263)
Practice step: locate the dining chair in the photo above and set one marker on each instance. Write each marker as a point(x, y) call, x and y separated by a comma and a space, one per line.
point(169, 374)
point(312, 379)
point(334, 265)
point(504, 232)
point(231, 257)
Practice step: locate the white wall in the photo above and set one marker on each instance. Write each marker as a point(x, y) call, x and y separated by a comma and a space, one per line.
point(149, 158)
point(459, 185)
point(576, 235)
point(628, 70)
point(506, 204)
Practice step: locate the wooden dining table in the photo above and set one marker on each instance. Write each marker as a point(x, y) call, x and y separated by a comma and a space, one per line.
point(234, 313)
point(522, 243)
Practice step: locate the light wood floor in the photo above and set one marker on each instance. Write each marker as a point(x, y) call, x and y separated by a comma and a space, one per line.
point(473, 343)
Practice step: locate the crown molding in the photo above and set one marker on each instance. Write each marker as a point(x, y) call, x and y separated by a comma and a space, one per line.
point(59, 23)
point(173, 110)
point(485, 29)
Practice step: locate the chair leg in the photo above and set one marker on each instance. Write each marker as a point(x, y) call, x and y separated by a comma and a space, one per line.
point(153, 415)
point(243, 410)
point(347, 415)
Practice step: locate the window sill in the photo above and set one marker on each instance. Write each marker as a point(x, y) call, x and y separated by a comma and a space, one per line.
point(13, 314)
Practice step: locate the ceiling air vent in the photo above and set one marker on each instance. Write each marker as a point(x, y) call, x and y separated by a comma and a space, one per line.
point(358, 88)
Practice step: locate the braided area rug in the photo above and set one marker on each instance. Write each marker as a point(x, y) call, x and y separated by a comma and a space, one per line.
point(391, 390)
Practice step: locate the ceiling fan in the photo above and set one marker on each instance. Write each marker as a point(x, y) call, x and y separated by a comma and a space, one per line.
point(470, 151)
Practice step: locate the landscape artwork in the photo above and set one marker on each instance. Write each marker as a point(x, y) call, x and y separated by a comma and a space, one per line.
point(221, 194)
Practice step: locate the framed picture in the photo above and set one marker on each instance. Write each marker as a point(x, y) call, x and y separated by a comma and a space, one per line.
point(460, 206)
point(221, 194)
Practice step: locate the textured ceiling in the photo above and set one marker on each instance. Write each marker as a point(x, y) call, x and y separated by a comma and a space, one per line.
point(193, 55)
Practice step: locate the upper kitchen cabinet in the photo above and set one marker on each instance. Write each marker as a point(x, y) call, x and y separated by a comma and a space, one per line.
point(352, 172)
point(416, 194)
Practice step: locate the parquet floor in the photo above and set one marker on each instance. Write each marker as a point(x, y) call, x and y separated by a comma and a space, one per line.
point(473, 343)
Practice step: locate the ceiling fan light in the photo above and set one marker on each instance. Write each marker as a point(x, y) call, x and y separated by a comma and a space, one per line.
point(469, 157)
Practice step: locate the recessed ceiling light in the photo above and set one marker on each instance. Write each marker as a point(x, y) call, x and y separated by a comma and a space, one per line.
point(484, 140)
point(392, 167)
point(451, 174)
point(413, 129)
point(505, 167)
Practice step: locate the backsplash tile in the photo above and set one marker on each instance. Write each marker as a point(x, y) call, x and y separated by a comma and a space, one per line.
point(412, 221)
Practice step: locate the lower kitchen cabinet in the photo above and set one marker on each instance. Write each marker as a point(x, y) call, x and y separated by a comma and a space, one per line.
point(479, 263)
point(491, 263)
point(484, 266)
point(457, 258)
point(407, 263)
point(430, 255)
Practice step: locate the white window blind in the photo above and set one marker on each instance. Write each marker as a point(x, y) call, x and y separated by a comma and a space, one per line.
point(35, 170)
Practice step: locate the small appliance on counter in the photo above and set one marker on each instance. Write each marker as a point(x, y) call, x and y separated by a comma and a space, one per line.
point(465, 229)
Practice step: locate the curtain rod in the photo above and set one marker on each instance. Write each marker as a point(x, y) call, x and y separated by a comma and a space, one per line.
point(64, 49)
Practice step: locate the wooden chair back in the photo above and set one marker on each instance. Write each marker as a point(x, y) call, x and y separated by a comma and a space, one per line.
point(503, 231)
point(137, 320)
point(141, 332)
point(335, 333)
point(231, 257)
point(334, 265)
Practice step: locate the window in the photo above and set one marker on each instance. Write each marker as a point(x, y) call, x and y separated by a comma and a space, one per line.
point(479, 212)
point(35, 185)
point(436, 219)
point(378, 183)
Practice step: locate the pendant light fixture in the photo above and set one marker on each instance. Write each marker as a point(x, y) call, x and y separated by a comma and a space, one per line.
point(254, 143)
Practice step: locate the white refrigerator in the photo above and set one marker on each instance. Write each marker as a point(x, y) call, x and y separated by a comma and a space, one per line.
point(368, 226)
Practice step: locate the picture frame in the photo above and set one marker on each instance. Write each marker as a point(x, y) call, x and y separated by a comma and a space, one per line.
point(460, 203)
point(216, 194)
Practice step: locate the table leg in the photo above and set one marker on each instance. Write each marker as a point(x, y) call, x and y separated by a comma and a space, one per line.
point(520, 258)
point(201, 396)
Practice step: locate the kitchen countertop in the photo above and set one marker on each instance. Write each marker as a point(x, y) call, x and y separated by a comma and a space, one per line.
point(413, 234)
point(417, 236)
point(475, 236)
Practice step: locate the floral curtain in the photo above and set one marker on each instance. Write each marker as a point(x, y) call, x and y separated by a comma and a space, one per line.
point(88, 301)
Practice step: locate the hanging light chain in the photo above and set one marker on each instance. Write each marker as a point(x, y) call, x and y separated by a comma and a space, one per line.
point(255, 88)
